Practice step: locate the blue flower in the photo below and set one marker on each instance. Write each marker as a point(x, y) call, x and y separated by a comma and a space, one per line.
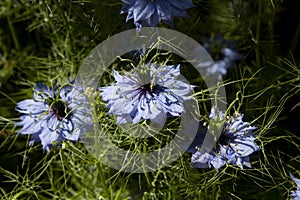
point(54, 115)
point(148, 93)
point(296, 193)
point(222, 52)
point(150, 12)
point(234, 146)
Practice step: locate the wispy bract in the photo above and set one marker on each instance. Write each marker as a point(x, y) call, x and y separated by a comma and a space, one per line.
point(54, 115)
point(151, 92)
point(234, 146)
point(150, 12)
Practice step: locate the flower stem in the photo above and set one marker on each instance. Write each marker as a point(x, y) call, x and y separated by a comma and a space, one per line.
point(103, 181)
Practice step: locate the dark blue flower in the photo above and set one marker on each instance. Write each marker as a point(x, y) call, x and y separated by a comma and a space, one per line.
point(234, 146)
point(150, 12)
point(148, 93)
point(296, 194)
point(222, 52)
point(54, 115)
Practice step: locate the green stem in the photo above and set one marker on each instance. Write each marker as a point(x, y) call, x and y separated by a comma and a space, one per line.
point(62, 13)
point(13, 33)
point(103, 181)
point(258, 25)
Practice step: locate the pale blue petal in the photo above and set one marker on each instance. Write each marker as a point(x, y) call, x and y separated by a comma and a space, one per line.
point(143, 10)
point(42, 92)
point(296, 180)
point(230, 54)
point(47, 138)
point(296, 193)
point(200, 160)
point(244, 147)
point(32, 107)
point(225, 58)
point(124, 119)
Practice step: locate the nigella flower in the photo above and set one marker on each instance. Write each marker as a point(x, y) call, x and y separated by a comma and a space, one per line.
point(234, 146)
point(150, 92)
point(54, 115)
point(222, 52)
point(296, 194)
point(150, 12)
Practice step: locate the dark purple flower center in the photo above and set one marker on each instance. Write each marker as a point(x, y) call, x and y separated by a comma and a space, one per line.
point(151, 88)
point(147, 88)
point(60, 110)
point(224, 139)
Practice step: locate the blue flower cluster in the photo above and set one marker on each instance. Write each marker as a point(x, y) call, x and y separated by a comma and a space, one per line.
point(148, 93)
point(234, 146)
point(54, 115)
point(150, 12)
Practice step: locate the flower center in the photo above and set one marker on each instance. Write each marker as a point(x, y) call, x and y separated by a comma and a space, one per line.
point(225, 139)
point(150, 88)
point(147, 88)
point(60, 110)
